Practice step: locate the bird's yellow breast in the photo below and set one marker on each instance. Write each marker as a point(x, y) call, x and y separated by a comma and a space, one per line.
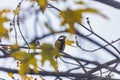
point(60, 45)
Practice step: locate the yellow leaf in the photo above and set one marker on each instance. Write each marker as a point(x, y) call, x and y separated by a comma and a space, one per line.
point(32, 0)
point(10, 74)
point(69, 42)
point(14, 47)
point(19, 55)
point(3, 31)
point(24, 68)
point(70, 17)
point(48, 54)
point(80, 2)
point(42, 4)
point(94, 11)
point(24, 77)
point(30, 78)
point(71, 29)
point(33, 45)
point(26, 60)
point(4, 11)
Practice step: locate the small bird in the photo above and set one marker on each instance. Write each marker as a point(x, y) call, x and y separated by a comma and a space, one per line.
point(60, 43)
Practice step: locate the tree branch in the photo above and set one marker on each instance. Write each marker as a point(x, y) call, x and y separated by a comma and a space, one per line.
point(105, 65)
point(112, 3)
point(61, 74)
point(100, 38)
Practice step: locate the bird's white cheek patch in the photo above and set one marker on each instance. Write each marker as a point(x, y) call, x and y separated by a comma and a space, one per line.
point(61, 38)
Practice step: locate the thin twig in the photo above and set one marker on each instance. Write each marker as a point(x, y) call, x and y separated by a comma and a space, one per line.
point(77, 43)
point(61, 74)
point(88, 22)
point(82, 66)
point(105, 65)
point(96, 43)
point(18, 24)
point(99, 66)
point(73, 69)
point(113, 69)
point(68, 62)
point(4, 52)
point(100, 37)
point(13, 22)
point(15, 29)
point(54, 7)
point(102, 72)
point(23, 47)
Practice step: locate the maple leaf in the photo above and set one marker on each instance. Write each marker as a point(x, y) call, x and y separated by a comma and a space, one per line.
point(42, 4)
point(26, 60)
point(3, 31)
point(71, 17)
point(49, 53)
point(14, 47)
point(94, 11)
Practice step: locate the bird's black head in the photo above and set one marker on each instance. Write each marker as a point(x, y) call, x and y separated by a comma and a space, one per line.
point(62, 38)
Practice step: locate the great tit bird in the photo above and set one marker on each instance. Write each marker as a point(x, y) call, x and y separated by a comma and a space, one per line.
point(60, 43)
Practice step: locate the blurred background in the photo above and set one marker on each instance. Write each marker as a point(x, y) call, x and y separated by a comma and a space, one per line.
point(32, 24)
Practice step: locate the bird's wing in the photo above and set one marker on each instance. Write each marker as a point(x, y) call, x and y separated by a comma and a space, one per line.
point(58, 44)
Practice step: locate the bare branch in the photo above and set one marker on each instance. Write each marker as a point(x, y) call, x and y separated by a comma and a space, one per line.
point(100, 37)
point(112, 3)
point(61, 74)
